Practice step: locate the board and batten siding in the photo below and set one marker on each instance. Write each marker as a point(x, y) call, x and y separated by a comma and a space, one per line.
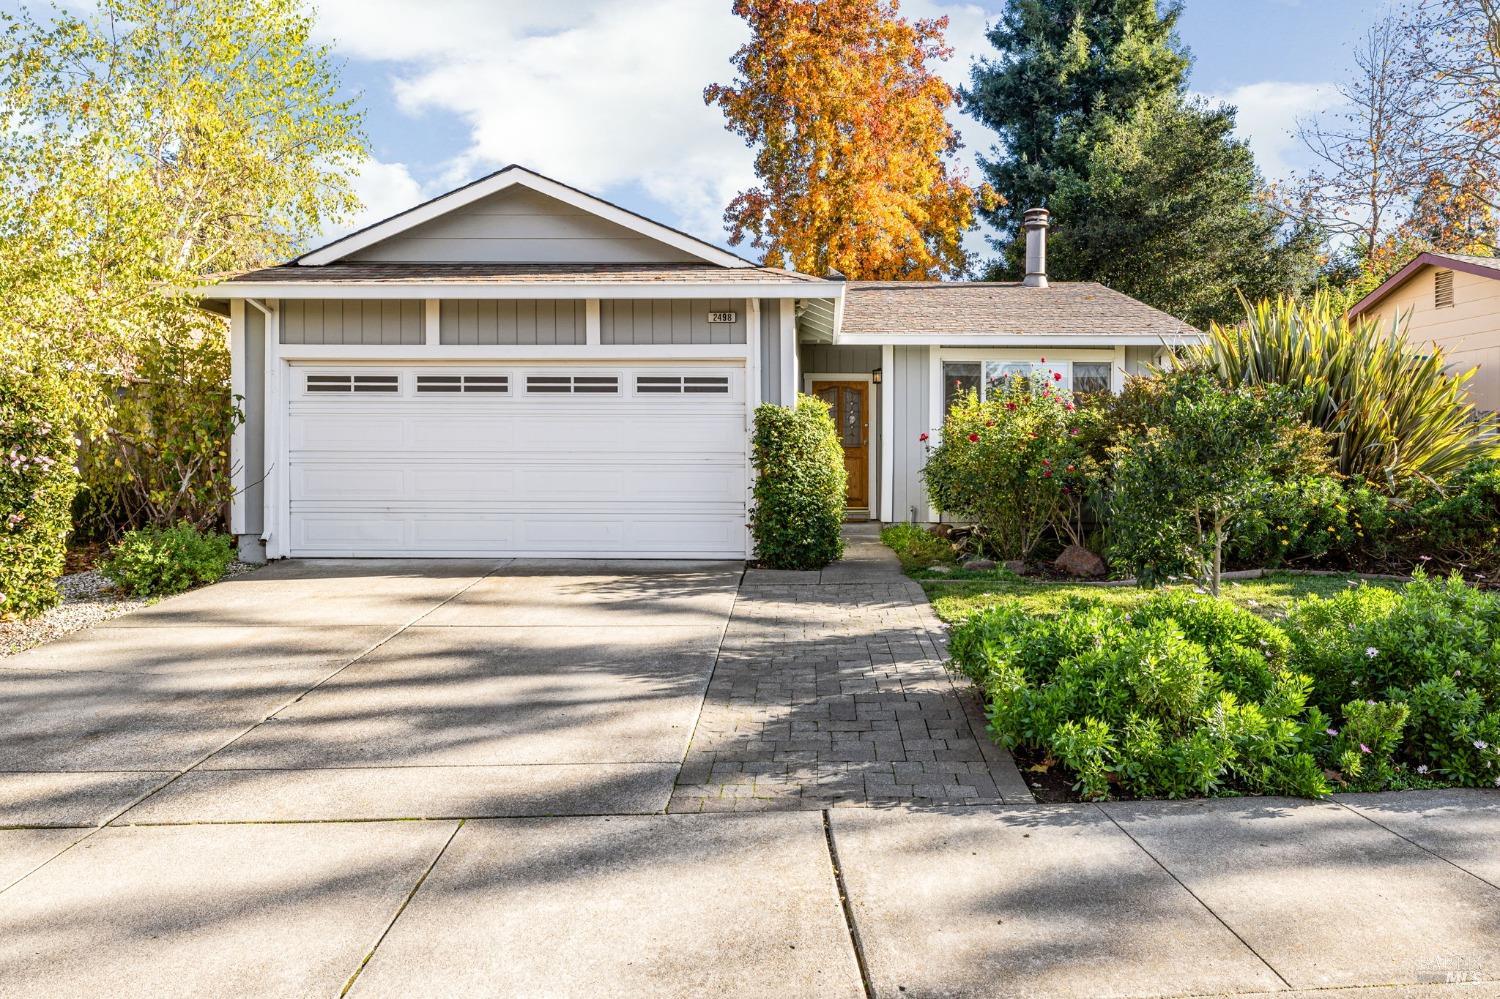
point(368, 323)
point(770, 354)
point(820, 359)
point(1138, 360)
point(910, 386)
point(669, 320)
point(512, 322)
point(1468, 331)
point(253, 434)
point(518, 225)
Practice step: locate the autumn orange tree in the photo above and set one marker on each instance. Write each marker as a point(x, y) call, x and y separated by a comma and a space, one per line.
point(853, 151)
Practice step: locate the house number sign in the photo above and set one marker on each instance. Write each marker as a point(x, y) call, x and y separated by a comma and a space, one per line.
point(723, 317)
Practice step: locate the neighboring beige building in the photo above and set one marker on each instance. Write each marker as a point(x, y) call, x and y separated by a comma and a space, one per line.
point(1452, 300)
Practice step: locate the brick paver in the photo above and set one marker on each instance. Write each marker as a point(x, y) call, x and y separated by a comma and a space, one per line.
point(834, 693)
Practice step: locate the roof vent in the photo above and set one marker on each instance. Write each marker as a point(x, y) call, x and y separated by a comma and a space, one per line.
point(1442, 289)
point(1036, 247)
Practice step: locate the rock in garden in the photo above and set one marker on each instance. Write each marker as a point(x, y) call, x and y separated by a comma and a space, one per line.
point(979, 564)
point(1017, 566)
point(941, 530)
point(1078, 561)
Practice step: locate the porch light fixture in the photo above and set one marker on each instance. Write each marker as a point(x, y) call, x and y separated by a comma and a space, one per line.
point(875, 376)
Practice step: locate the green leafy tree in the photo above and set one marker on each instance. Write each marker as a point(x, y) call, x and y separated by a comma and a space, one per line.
point(143, 145)
point(1211, 454)
point(1150, 192)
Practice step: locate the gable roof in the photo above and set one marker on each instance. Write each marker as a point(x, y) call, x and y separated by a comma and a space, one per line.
point(507, 177)
point(1468, 263)
point(979, 312)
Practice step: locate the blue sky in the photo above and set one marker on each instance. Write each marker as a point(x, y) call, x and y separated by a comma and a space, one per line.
point(605, 94)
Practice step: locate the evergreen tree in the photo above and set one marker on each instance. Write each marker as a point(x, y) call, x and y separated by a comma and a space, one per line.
point(1150, 192)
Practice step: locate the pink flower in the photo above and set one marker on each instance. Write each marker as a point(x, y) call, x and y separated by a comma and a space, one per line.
point(1046, 461)
point(989, 423)
point(1073, 432)
point(923, 437)
point(1331, 731)
point(1072, 468)
point(1070, 407)
point(1363, 748)
point(1047, 474)
point(1010, 406)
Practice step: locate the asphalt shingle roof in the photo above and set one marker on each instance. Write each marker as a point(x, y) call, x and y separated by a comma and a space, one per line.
point(488, 273)
point(1061, 309)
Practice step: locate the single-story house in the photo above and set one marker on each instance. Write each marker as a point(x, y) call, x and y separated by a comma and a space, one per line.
point(1451, 300)
point(520, 368)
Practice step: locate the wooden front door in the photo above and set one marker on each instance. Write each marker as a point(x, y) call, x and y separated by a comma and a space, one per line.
point(850, 404)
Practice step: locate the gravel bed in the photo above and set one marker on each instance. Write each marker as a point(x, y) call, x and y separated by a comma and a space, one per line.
point(87, 599)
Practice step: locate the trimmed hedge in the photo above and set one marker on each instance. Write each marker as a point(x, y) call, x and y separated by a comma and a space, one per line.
point(37, 481)
point(799, 487)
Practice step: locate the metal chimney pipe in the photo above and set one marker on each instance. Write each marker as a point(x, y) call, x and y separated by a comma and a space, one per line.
point(1036, 247)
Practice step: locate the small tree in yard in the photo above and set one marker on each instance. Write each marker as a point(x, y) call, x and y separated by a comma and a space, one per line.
point(1013, 465)
point(1210, 454)
point(799, 486)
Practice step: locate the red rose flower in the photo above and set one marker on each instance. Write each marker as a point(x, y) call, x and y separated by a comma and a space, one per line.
point(1057, 376)
point(1047, 474)
point(1070, 407)
point(922, 438)
point(1072, 468)
point(1044, 360)
point(973, 438)
point(989, 423)
point(1045, 461)
point(1011, 406)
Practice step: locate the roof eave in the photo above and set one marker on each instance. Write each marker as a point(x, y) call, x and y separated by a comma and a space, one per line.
point(1423, 259)
point(522, 290)
point(982, 339)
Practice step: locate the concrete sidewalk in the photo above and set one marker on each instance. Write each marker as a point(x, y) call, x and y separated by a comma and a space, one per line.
point(1381, 895)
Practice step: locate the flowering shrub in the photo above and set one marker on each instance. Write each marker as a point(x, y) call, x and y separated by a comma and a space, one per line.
point(799, 487)
point(1013, 465)
point(156, 561)
point(1457, 526)
point(1184, 696)
point(37, 483)
point(1432, 647)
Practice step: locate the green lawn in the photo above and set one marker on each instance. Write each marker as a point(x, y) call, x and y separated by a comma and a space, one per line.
point(1269, 596)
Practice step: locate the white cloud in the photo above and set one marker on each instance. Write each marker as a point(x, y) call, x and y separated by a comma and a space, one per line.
point(603, 94)
point(385, 189)
point(1268, 115)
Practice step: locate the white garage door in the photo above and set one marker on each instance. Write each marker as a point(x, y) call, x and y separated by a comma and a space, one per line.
point(575, 460)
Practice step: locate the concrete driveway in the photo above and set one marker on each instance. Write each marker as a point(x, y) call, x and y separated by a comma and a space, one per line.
point(177, 790)
point(370, 690)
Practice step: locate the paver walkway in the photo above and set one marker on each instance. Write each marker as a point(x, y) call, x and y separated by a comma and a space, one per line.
point(830, 690)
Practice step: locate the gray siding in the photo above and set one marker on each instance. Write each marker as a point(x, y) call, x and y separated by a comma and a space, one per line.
point(675, 321)
point(522, 226)
point(910, 394)
point(824, 359)
point(770, 354)
point(333, 320)
point(508, 322)
point(254, 404)
point(1137, 358)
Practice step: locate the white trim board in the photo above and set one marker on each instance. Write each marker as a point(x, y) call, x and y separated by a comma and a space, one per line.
point(1032, 340)
point(500, 180)
point(536, 289)
point(871, 446)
